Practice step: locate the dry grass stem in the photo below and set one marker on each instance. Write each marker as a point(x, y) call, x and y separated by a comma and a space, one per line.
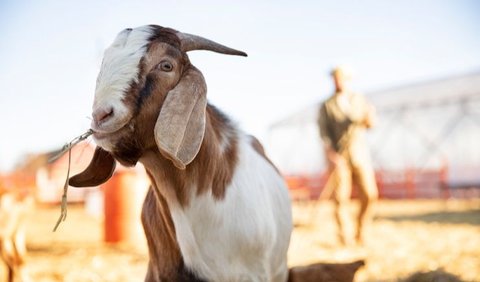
point(67, 147)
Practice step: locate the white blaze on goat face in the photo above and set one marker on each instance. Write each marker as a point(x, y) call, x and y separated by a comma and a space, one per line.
point(120, 67)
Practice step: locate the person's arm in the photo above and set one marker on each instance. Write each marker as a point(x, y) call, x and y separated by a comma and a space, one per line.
point(370, 116)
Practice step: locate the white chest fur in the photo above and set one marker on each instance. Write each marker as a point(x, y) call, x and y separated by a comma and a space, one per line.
point(245, 236)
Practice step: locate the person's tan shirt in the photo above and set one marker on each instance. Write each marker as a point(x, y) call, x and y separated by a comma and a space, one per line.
point(342, 124)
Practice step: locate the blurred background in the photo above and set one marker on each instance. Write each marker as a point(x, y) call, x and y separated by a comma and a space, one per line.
point(418, 62)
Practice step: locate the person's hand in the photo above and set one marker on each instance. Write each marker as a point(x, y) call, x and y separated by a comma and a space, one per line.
point(334, 158)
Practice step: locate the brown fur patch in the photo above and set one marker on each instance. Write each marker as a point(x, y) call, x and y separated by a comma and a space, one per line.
point(217, 159)
point(212, 168)
point(325, 272)
point(160, 235)
point(166, 263)
point(257, 146)
point(165, 35)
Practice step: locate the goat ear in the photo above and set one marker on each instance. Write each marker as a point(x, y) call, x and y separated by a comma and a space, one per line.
point(180, 125)
point(99, 170)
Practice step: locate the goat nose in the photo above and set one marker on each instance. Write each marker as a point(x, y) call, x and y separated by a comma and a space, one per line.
point(102, 115)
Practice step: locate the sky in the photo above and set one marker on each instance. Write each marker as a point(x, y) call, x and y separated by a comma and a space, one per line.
point(50, 53)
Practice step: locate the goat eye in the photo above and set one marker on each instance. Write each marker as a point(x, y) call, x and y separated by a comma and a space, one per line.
point(166, 66)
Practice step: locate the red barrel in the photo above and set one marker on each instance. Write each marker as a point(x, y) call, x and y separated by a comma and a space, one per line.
point(124, 193)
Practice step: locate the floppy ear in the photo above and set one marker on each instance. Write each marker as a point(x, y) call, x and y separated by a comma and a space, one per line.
point(99, 170)
point(180, 125)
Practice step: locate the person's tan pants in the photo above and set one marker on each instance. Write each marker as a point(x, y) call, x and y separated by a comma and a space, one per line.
point(363, 176)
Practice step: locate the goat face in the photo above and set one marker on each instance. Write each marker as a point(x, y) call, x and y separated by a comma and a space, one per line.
point(148, 96)
point(138, 70)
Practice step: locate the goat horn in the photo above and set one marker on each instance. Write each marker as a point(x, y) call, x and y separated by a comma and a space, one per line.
point(191, 42)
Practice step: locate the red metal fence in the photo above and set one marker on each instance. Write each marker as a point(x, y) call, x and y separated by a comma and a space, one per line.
point(399, 184)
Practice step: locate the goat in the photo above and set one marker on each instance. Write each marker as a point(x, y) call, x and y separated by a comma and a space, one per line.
point(14, 206)
point(325, 272)
point(217, 209)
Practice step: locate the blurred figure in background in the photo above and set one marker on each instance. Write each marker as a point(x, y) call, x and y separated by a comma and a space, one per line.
point(14, 206)
point(342, 120)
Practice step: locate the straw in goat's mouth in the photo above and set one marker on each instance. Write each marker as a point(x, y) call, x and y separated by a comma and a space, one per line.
point(67, 147)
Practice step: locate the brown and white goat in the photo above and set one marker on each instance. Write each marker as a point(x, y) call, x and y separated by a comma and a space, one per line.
point(217, 209)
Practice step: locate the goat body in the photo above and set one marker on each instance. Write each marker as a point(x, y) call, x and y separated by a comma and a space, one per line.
point(217, 210)
point(236, 232)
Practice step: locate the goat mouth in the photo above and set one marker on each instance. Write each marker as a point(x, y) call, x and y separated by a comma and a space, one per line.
point(98, 135)
point(108, 138)
point(105, 140)
point(102, 134)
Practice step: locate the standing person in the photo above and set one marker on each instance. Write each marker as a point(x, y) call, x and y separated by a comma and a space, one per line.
point(342, 120)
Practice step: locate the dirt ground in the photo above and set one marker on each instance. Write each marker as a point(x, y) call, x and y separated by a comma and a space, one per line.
point(406, 237)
